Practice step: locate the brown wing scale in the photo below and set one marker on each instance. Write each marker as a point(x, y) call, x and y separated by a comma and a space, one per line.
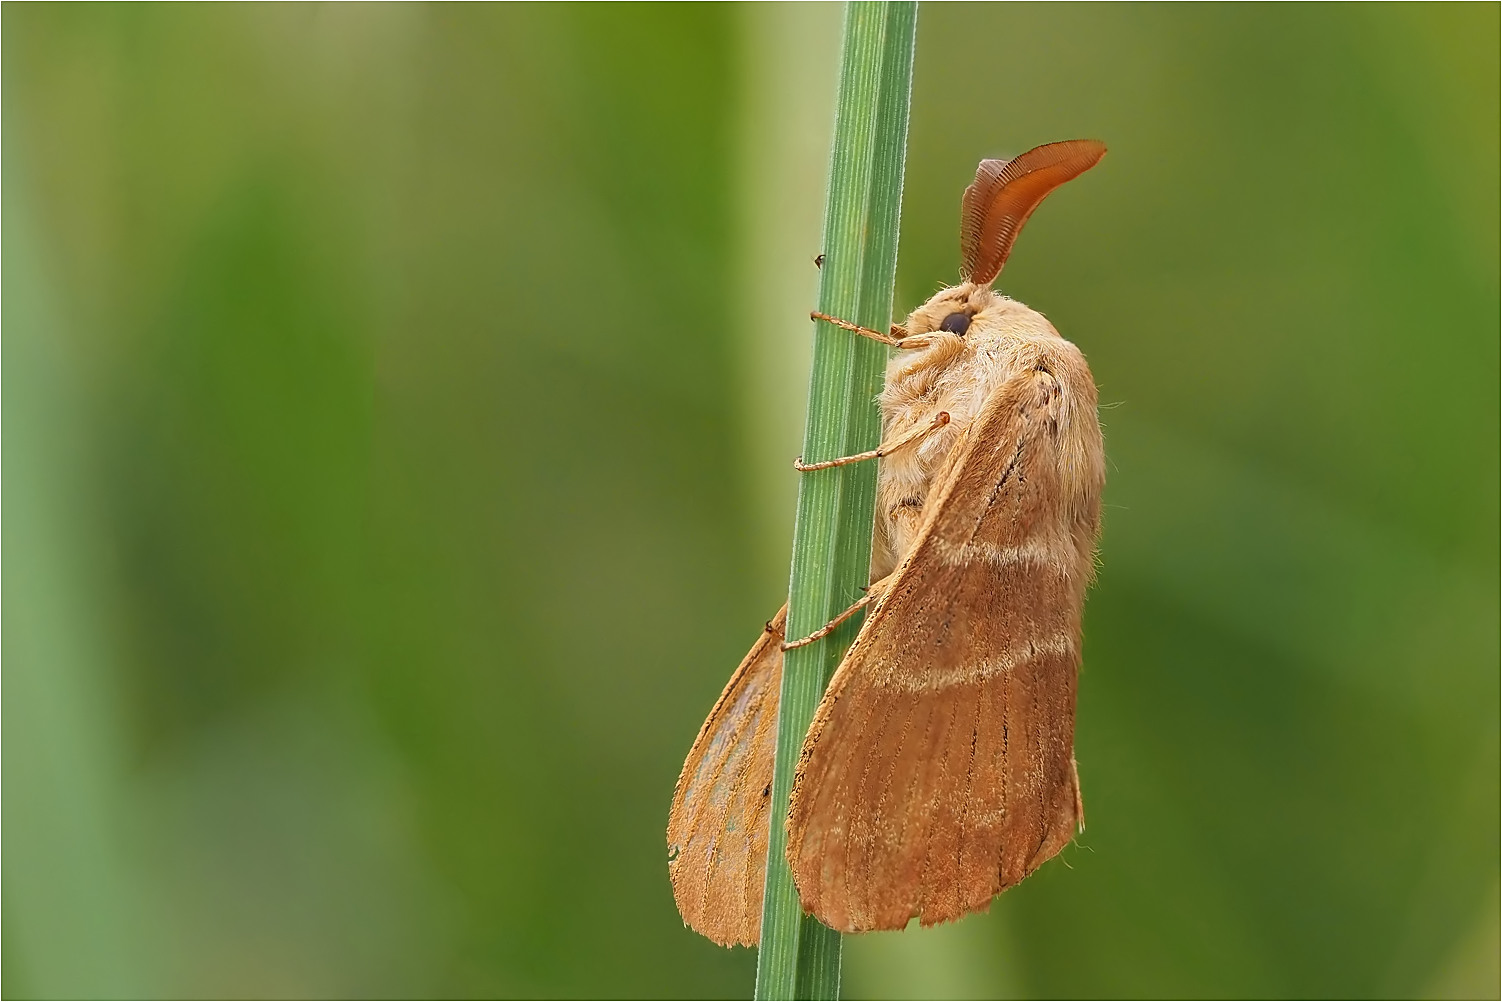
point(718, 825)
point(939, 768)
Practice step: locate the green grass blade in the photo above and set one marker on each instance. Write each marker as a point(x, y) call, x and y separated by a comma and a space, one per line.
point(799, 958)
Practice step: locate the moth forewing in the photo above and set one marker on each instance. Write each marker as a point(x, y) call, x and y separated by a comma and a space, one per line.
point(719, 823)
point(939, 768)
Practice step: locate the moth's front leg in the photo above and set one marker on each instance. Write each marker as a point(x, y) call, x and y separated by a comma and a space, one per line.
point(914, 434)
point(898, 338)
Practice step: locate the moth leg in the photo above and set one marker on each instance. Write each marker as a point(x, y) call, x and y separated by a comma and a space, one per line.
point(891, 445)
point(892, 339)
point(1079, 800)
point(898, 338)
point(830, 626)
point(874, 591)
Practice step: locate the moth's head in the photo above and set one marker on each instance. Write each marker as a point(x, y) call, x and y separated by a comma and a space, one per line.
point(953, 310)
point(980, 315)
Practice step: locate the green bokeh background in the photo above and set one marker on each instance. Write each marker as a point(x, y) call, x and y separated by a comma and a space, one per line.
point(398, 403)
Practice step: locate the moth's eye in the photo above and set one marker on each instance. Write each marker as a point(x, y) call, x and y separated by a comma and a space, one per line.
point(956, 323)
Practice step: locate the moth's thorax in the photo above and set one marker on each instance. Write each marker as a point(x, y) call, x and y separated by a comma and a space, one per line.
point(958, 373)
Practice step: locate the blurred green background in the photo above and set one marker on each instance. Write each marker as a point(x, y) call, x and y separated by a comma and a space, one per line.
point(398, 409)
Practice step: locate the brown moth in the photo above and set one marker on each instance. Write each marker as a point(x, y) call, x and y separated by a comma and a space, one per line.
point(939, 769)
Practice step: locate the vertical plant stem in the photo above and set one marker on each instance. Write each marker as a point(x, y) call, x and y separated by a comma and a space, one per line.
point(799, 958)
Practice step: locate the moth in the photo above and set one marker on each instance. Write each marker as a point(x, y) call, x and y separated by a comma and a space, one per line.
point(939, 768)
